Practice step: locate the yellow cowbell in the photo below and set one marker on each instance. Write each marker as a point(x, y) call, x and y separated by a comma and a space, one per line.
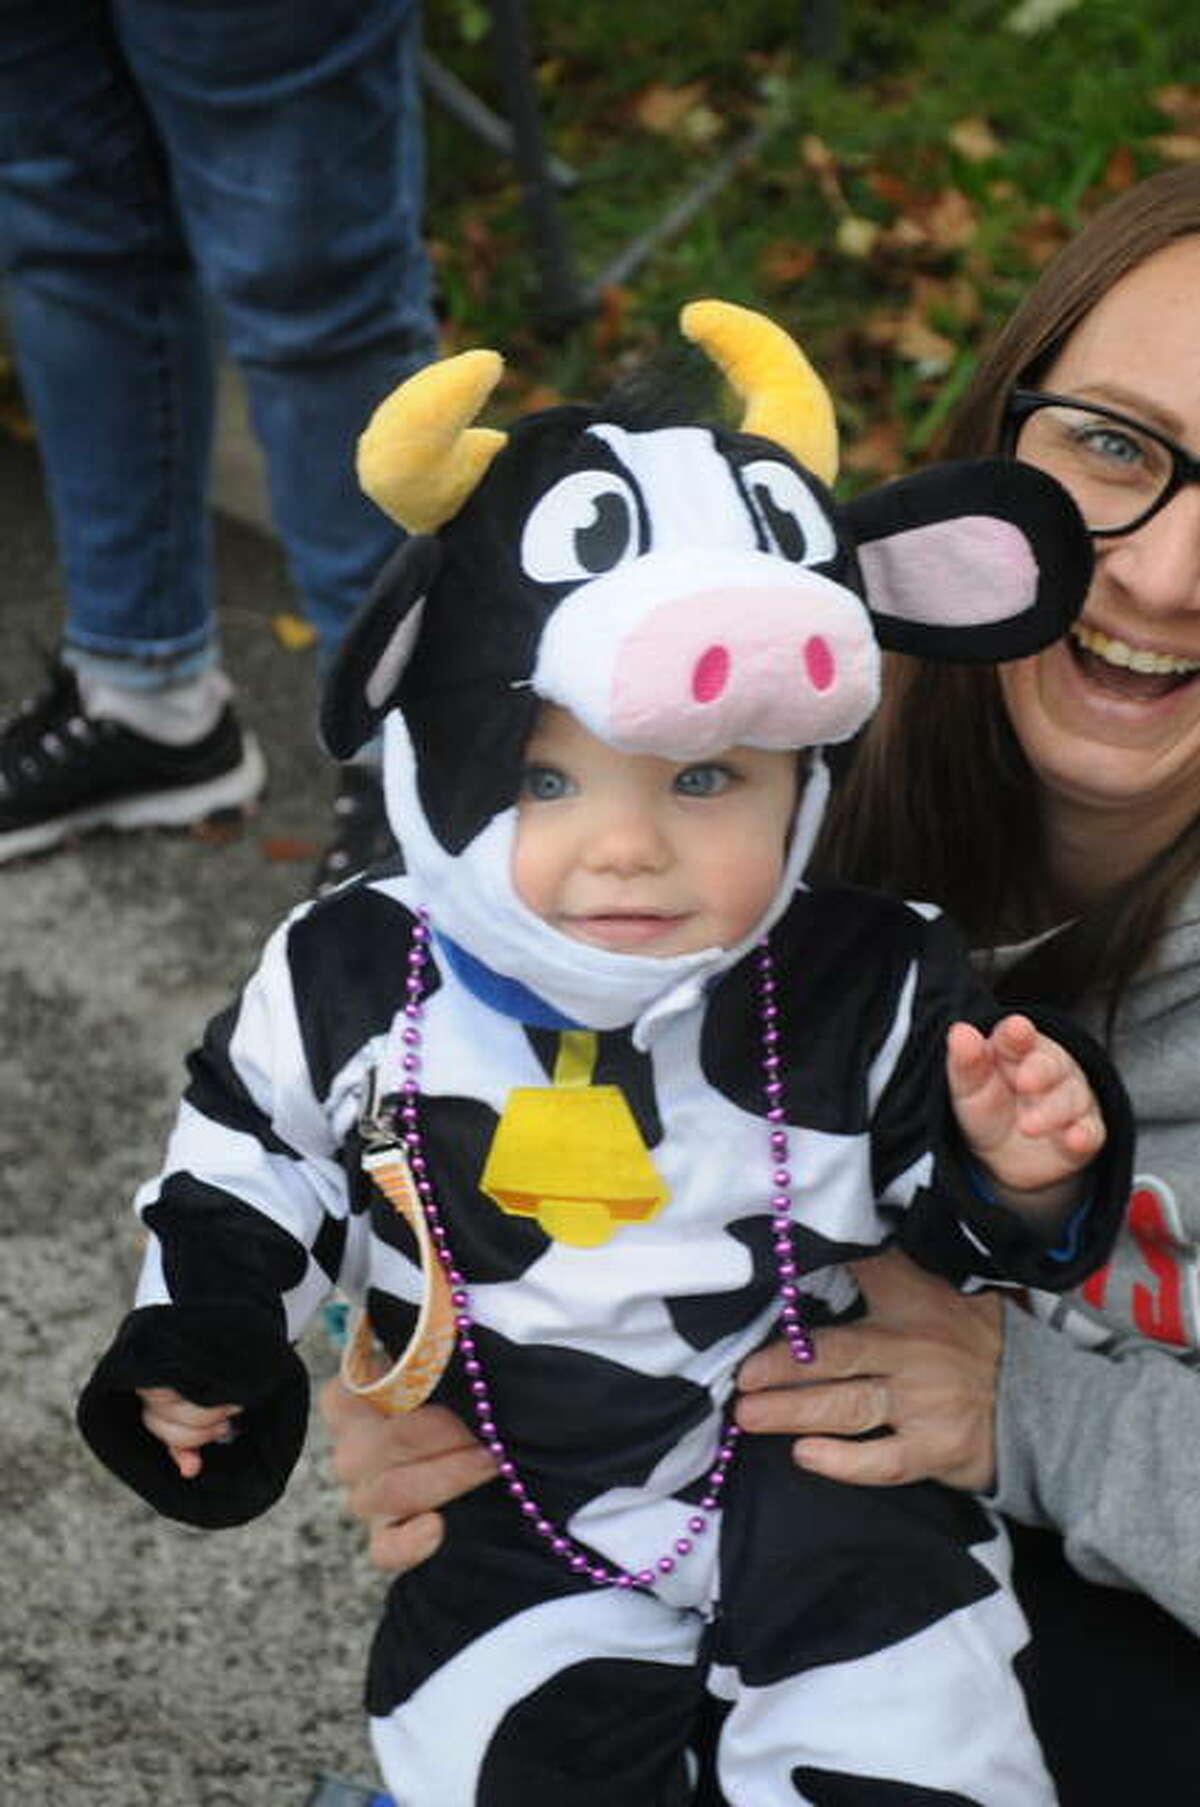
point(571, 1155)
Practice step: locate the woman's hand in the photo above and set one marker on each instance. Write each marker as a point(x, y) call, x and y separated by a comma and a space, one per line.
point(395, 1472)
point(923, 1363)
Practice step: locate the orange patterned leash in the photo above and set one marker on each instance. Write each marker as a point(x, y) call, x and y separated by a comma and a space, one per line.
point(411, 1379)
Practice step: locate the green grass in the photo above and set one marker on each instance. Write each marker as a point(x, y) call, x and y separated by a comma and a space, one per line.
point(1072, 112)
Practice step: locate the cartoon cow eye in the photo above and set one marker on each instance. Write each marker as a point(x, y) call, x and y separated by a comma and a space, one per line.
point(796, 525)
point(587, 524)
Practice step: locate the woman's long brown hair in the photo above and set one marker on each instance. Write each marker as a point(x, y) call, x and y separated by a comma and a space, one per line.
point(940, 801)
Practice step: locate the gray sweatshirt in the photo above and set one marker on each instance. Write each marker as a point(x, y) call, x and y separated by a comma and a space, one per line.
point(1098, 1422)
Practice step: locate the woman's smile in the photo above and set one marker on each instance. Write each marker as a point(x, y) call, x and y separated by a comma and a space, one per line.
point(1117, 665)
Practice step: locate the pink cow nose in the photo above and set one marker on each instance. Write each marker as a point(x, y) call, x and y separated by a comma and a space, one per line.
point(710, 674)
point(819, 662)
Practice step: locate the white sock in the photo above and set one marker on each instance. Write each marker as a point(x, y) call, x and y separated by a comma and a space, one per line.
point(177, 715)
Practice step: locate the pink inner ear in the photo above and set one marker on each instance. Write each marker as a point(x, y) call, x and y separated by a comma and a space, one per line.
point(960, 573)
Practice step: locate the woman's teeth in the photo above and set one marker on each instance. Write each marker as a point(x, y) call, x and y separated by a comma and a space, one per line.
point(1129, 658)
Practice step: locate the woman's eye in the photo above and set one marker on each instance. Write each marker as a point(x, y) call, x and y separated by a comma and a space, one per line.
point(586, 525)
point(703, 780)
point(1112, 444)
point(544, 784)
point(795, 523)
point(1122, 452)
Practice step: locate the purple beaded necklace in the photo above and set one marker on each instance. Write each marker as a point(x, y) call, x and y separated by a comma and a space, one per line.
point(565, 1548)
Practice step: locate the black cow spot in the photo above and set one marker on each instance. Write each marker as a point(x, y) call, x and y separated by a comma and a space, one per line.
point(488, 1244)
point(349, 975)
point(578, 1424)
point(487, 1570)
point(835, 1788)
point(600, 1733)
point(832, 1025)
point(217, 1091)
point(815, 1572)
point(702, 1319)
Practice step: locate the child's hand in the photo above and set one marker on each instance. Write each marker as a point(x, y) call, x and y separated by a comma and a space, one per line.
point(185, 1428)
point(1025, 1109)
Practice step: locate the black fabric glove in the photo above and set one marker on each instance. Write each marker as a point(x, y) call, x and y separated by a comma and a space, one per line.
point(213, 1354)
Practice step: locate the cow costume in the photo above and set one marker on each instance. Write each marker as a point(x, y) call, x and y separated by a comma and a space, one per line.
point(575, 1188)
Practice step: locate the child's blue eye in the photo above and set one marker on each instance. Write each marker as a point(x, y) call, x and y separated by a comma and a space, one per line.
point(703, 780)
point(544, 783)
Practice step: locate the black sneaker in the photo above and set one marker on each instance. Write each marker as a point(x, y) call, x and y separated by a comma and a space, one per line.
point(63, 773)
point(362, 834)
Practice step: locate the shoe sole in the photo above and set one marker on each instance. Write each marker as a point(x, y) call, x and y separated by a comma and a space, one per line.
point(180, 808)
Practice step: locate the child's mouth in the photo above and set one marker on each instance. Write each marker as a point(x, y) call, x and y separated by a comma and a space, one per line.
point(623, 928)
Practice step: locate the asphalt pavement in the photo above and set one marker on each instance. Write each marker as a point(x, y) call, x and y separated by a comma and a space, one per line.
point(142, 1664)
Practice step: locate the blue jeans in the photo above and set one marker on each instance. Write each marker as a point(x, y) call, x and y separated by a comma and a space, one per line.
point(161, 156)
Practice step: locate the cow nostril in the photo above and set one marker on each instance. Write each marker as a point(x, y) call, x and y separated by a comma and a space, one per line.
point(710, 674)
point(819, 662)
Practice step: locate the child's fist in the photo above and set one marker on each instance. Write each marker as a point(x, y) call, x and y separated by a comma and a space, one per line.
point(185, 1428)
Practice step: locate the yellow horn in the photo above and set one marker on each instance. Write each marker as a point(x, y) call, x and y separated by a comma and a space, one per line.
point(785, 400)
point(419, 457)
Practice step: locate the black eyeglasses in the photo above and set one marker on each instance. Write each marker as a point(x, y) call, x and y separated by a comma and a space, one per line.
point(1120, 471)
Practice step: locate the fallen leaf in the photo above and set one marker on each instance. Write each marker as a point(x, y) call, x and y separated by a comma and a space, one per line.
point(975, 140)
point(856, 237)
point(480, 251)
point(1120, 172)
point(932, 352)
point(1176, 147)
point(955, 295)
point(1033, 16)
point(664, 110)
point(878, 452)
point(950, 221)
point(1181, 102)
point(816, 154)
point(293, 632)
point(786, 262)
point(609, 322)
point(882, 328)
point(906, 234)
point(702, 126)
point(218, 830)
point(1042, 235)
point(538, 396)
point(817, 157)
point(287, 849)
point(893, 189)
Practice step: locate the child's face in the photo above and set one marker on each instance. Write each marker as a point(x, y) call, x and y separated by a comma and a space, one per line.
point(637, 854)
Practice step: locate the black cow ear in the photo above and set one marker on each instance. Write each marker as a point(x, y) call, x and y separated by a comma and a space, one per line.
point(980, 560)
point(366, 673)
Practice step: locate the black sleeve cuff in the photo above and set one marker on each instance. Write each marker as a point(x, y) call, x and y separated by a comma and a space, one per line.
point(217, 1354)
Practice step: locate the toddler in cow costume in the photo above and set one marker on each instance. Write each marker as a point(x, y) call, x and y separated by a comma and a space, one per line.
point(598, 1093)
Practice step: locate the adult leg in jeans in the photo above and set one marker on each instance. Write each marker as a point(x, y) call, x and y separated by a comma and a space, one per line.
point(138, 142)
point(113, 348)
point(110, 335)
point(294, 144)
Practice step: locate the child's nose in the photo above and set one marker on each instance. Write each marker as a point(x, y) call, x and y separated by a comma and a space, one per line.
point(627, 842)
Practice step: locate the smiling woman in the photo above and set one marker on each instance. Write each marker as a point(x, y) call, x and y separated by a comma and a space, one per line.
point(1053, 806)
point(1110, 718)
